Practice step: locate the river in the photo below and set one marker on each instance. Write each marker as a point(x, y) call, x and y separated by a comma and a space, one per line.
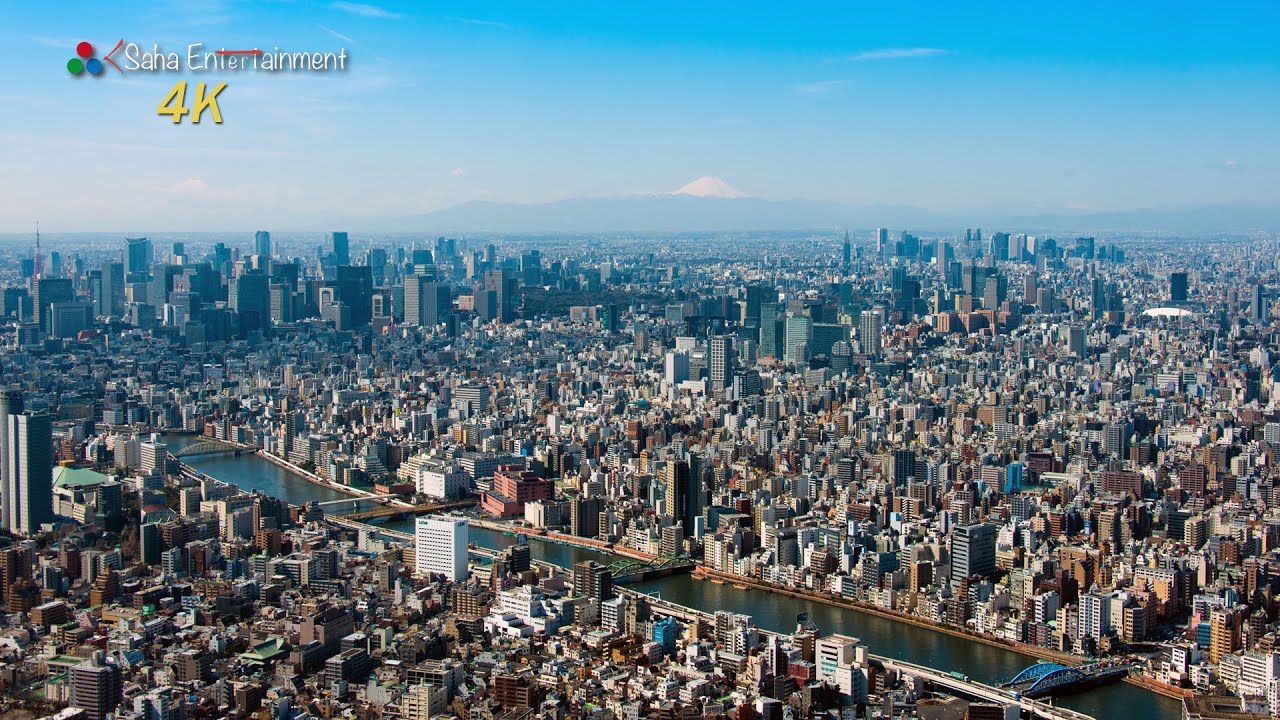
point(771, 611)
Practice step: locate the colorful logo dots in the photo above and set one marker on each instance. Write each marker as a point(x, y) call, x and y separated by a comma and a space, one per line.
point(85, 61)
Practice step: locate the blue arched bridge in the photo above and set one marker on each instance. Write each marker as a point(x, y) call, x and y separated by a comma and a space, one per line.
point(1051, 678)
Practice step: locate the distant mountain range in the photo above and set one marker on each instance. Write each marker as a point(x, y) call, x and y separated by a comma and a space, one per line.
point(712, 208)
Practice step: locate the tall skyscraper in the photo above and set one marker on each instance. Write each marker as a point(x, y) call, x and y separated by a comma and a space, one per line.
point(506, 290)
point(1178, 287)
point(682, 496)
point(973, 551)
point(848, 247)
point(250, 296)
point(48, 291)
point(137, 256)
point(799, 332)
point(882, 240)
point(30, 460)
point(355, 290)
point(869, 328)
point(772, 329)
point(426, 302)
point(262, 244)
point(341, 248)
point(10, 405)
point(1257, 304)
point(440, 547)
point(721, 369)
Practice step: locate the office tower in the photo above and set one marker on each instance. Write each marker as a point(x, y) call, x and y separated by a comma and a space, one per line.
point(1257, 304)
point(799, 332)
point(675, 367)
point(682, 493)
point(10, 406)
point(355, 290)
point(771, 329)
point(96, 687)
point(341, 250)
point(1076, 341)
point(1097, 298)
point(882, 240)
point(137, 256)
point(1177, 287)
point(869, 330)
point(282, 302)
point(611, 318)
point(757, 296)
point(48, 291)
point(99, 282)
point(67, 319)
point(30, 476)
point(973, 551)
point(592, 580)
point(825, 336)
point(506, 290)
point(847, 251)
point(250, 296)
point(721, 369)
point(262, 244)
point(440, 547)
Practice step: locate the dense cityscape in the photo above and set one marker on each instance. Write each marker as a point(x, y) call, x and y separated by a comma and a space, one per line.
point(526, 474)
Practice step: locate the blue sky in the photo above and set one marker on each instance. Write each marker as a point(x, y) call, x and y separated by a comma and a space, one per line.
point(947, 106)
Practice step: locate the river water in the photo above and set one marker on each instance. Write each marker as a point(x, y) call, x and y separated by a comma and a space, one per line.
point(771, 611)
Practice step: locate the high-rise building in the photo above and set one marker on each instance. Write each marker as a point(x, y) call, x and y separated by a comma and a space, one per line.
point(440, 547)
point(1257, 304)
point(426, 302)
point(10, 405)
point(137, 256)
point(341, 250)
point(45, 292)
point(355, 290)
point(96, 687)
point(870, 323)
point(799, 332)
point(721, 369)
point(506, 290)
point(30, 476)
point(1076, 341)
point(250, 296)
point(1178, 287)
point(682, 493)
point(847, 251)
point(262, 244)
point(593, 580)
point(973, 551)
point(772, 329)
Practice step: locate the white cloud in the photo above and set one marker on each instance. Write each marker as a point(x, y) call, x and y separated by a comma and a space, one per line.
point(1231, 164)
point(482, 23)
point(820, 87)
point(190, 186)
point(896, 54)
point(337, 34)
point(457, 172)
point(363, 10)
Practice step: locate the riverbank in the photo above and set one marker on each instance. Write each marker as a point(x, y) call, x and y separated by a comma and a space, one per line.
point(562, 539)
point(702, 572)
point(317, 480)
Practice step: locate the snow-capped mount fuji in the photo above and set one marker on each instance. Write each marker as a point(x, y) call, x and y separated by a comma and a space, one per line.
point(709, 186)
